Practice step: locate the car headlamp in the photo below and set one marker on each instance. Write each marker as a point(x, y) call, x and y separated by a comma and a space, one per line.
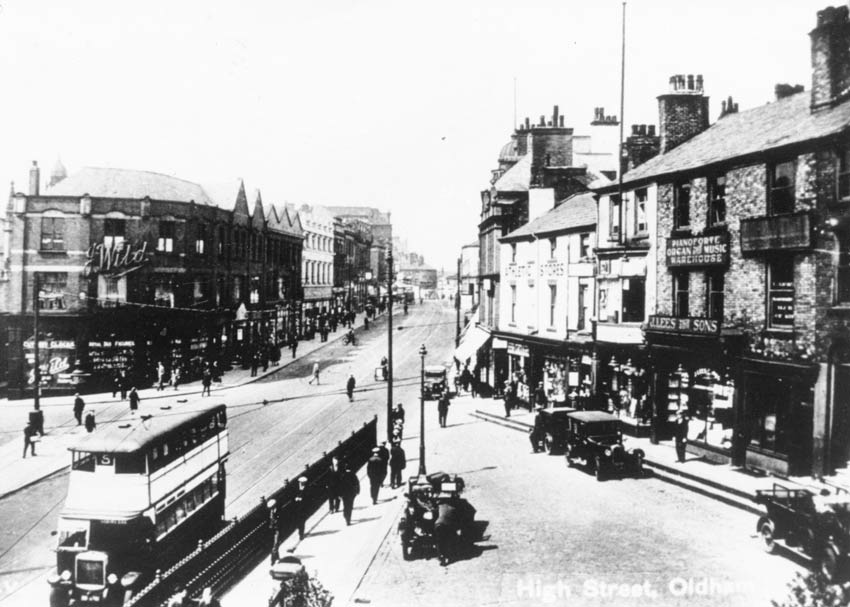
point(65, 575)
point(608, 452)
point(111, 578)
point(428, 516)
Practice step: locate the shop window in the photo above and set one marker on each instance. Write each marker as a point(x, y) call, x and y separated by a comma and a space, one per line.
point(842, 270)
point(681, 296)
point(584, 246)
point(771, 403)
point(553, 300)
point(780, 294)
point(52, 234)
point(634, 295)
point(165, 242)
point(682, 206)
point(614, 211)
point(781, 182)
point(717, 200)
point(708, 399)
point(51, 290)
point(513, 303)
point(113, 232)
point(715, 284)
point(843, 174)
point(641, 226)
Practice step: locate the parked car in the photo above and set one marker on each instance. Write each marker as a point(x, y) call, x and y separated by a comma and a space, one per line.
point(818, 526)
point(550, 429)
point(436, 381)
point(596, 438)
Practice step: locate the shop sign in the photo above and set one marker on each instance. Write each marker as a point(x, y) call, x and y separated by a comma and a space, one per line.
point(115, 260)
point(517, 349)
point(688, 325)
point(54, 360)
point(698, 251)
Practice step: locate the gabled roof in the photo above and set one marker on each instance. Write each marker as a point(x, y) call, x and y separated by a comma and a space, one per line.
point(517, 178)
point(577, 211)
point(225, 195)
point(782, 123)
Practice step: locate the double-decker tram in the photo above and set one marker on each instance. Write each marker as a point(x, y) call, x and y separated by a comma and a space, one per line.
point(141, 493)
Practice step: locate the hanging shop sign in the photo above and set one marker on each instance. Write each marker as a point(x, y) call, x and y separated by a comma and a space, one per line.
point(687, 325)
point(698, 251)
point(116, 259)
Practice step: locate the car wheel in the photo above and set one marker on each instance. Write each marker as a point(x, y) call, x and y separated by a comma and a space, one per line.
point(767, 531)
point(548, 443)
point(828, 563)
point(639, 466)
point(597, 468)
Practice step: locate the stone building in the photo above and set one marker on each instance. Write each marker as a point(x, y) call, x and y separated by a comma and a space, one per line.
point(130, 268)
point(317, 271)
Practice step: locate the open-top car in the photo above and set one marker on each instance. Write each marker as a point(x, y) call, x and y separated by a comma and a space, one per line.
point(550, 429)
point(596, 438)
point(436, 382)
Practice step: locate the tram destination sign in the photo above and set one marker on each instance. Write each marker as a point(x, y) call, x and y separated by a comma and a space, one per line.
point(696, 251)
point(689, 325)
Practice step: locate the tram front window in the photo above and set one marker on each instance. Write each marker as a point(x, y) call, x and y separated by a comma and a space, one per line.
point(73, 534)
point(90, 572)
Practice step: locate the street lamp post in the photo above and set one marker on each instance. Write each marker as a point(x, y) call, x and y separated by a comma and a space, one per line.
point(457, 306)
point(422, 353)
point(390, 343)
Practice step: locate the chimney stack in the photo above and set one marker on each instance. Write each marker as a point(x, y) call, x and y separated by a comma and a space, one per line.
point(682, 112)
point(35, 179)
point(830, 58)
point(728, 107)
point(783, 90)
point(639, 147)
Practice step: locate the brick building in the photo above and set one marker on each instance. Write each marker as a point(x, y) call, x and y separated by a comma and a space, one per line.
point(134, 268)
point(751, 326)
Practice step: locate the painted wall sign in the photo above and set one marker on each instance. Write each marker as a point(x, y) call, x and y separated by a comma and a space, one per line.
point(115, 260)
point(689, 325)
point(698, 251)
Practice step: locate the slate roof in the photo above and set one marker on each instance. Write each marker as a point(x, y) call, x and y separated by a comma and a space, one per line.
point(517, 178)
point(576, 211)
point(781, 123)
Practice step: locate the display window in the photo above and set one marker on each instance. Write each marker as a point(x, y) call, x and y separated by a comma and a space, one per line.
point(706, 396)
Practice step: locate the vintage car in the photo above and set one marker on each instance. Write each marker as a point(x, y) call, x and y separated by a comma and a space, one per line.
point(436, 382)
point(426, 496)
point(550, 429)
point(817, 526)
point(596, 438)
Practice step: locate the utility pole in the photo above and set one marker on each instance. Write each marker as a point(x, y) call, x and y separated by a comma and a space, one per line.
point(36, 369)
point(457, 306)
point(390, 343)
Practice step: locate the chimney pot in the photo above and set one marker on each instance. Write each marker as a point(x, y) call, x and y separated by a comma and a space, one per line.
point(527, 123)
point(690, 82)
point(635, 129)
point(561, 123)
point(651, 130)
point(555, 116)
point(35, 179)
point(542, 120)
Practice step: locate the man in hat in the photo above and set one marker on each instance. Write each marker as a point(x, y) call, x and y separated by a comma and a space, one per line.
point(376, 470)
point(681, 434)
point(384, 452)
point(79, 407)
point(349, 387)
point(398, 462)
point(443, 408)
point(301, 505)
point(349, 488)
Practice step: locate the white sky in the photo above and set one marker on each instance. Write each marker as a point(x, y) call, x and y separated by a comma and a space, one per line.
point(398, 105)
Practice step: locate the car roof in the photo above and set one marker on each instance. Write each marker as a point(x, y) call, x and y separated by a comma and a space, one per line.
point(593, 416)
point(435, 369)
point(558, 410)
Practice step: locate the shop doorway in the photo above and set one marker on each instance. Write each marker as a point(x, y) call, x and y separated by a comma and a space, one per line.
point(840, 438)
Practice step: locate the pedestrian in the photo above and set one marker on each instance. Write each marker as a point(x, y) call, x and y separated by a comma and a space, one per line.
point(349, 488)
point(349, 387)
point(79, 406)
point(206, 382)
point(255, 364)
point(384, 452)
point(134, 400)
point(36, 418)
point(508, 396)
point(681, 435)
point(376, 470)
point(177, 374)
point(465, 378)
point(300, 502)
point(122, 384)
point(160, 376)
point(540, 398)
point(332, 478)
point(366, 323)
point(30, 439)
point(398, 462)
point(473, 383)
point(398, 413)
point(116, 384)
point(315, 374)
point(443, 408)
point(90, 423)
point(293, 345)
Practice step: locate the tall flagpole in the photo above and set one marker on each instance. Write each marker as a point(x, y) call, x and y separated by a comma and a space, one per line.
point(622, 124)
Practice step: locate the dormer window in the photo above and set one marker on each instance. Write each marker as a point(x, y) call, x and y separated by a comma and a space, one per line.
point(781, 182)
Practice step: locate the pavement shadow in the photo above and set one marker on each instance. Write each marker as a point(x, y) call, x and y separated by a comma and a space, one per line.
point(364, 520)
point(319, 533)
point(471, 549)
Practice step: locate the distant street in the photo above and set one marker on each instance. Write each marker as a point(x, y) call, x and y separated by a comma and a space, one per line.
point(268, 443)
point(557, 536)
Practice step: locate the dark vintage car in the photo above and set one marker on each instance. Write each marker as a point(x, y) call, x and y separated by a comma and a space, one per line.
point(550, 429)
point(596, 438)
point(435, 381)
point(818, 526)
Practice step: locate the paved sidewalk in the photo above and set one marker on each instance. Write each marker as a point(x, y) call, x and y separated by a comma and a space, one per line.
point(336, 554)
point(62, 429)
point(734, 485)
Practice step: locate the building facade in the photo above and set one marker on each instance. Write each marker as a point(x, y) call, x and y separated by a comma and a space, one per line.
point(469, 265)
point(318, 257)
point(131, 268)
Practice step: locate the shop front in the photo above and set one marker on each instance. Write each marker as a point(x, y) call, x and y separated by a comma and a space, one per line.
point(566, 375)
point(777, 411)
point(520, 373)
point(622, 386)
point(693, 373)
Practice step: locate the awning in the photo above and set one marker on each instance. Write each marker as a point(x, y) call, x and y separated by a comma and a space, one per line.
point(470, 344)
